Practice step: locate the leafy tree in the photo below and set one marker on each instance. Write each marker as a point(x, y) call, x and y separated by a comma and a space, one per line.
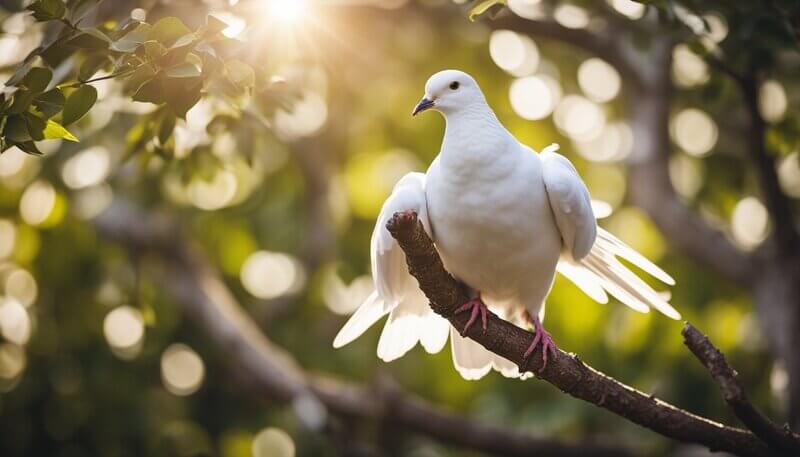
point(153, 166)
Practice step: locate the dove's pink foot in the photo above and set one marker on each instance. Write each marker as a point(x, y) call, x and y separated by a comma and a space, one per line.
point(475, 306)
point(540, 337)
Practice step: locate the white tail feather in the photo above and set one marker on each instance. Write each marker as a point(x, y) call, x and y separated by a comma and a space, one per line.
point(473, 361)
point(367, 314)
point(412, 321)
point(584, 279)
point(602, 269)
point(615, 246)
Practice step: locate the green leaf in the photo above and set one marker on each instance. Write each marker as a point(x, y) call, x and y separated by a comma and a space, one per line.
point(241, 74)
point(167, 31)
point(181, 94)
point(16, 130)
point(142, 74)
point(47, 10)
point(131, 41)
point(185, 40)
point(80, 8)
point(29, 147)
point(184, 70)
point(35, 125)
point(50, 102)
point(78, 104)
point(483, 6)
point(56, 52)
point(90, 38)
point(154, 50)
point(22, 100)
point(166, 127)
point(53, 130)
point(37, 80)
point(150, 92)
point(91, 65)
point(213, 26)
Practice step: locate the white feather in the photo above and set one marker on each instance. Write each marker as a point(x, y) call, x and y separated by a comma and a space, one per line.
point(617, 247)
point(367, 314)
point(411, 320)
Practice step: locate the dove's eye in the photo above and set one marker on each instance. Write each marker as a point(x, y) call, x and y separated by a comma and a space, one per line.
point(454, 85)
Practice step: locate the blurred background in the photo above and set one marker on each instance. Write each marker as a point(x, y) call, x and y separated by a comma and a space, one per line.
point(105, 350)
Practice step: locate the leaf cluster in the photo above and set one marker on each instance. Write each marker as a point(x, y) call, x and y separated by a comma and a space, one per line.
point(165, 63)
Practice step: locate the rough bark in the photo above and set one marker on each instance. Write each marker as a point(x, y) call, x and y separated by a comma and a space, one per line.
point(781, 440)
point(566, 371)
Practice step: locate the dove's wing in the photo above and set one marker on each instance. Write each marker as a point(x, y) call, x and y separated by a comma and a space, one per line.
point(397, 293)
point(570, 202)
point(591, 257)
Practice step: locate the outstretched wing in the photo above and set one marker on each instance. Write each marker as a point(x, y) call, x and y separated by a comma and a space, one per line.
point(397, 293)
point(591, 258)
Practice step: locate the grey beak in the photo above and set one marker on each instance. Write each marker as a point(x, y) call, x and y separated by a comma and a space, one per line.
point(423, 105)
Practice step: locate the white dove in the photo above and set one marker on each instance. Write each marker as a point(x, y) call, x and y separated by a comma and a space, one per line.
point(504, 219)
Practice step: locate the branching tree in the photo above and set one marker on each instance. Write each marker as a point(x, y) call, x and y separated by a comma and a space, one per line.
point(263, 167)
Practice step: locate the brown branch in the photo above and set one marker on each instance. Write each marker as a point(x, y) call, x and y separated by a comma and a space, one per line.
point(604, 44)
point(566, 371)
point(651, 189)
point(204, 298)
point(777, 203)
point(781, 440)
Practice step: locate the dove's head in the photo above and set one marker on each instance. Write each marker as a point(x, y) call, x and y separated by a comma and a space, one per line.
point(450, 91)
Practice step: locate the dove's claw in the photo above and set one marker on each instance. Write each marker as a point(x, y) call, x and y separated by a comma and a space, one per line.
point(541, 337)
point(476, 307)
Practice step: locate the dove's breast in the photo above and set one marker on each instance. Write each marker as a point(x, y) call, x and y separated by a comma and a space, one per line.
point(494, 228)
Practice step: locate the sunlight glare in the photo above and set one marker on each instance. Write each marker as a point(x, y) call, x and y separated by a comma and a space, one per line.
point(182, 370)
point(534, 97)
point(749, 222)
point(268, 275)
point(8, 237)
point(37, 202)
point(789, 174)
point(15, 324)
point(286, 11)
point(694, 131)
point(123, 328)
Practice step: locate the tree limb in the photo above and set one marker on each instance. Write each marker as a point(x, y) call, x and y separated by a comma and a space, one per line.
point(777, 203)
point(204, 298)
point(604, 45)
point(651, 189)
point(780, 439)
point(566, 371)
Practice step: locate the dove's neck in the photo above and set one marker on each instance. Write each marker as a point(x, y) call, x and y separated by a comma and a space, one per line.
point(474, 137)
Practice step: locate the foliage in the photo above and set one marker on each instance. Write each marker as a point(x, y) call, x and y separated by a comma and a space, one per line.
point(164, 63)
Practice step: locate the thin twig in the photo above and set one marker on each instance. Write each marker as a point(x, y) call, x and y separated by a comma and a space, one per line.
point(99, 78)
point(780, 439)
point(565, 371)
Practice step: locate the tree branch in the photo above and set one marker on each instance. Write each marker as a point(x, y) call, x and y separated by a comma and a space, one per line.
point(602, 44)
point(203, 298)
point(566, 371)
point(651, 189)
point(780, 439)
point(777, 204)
